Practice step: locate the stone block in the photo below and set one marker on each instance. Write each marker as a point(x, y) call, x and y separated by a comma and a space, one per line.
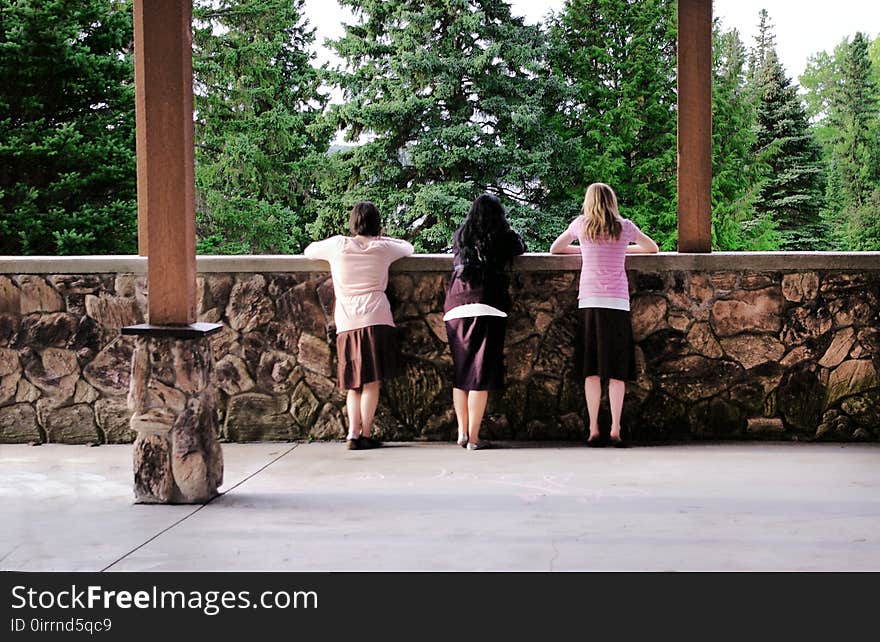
point(752, 349)
point(805, 323)
point(153, 479)
point(249, 306)
point(10, 297)
point(232, 376)
point(275, 372)
point(38, 296)
point(304, 405)
point(851, 378)
point(84, 393)
point(799, 399)
point(704, 342)
point(110, 370)
point(113, 312)
point(71, 425)
point(800, 286)
point(45, 330)
point(193, 364)
point(26, 392)
point(648, 315)
point(301, 307)
point(154, 420)
point(255, 417)
point(18, 424)
point(114, 420)
point(839, 348)
point(765, 426)
point(750, 311)
point(329, 424)
point(314, 354)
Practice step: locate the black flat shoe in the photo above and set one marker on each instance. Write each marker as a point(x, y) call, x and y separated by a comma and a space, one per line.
point(619, 443)
point(596, 442)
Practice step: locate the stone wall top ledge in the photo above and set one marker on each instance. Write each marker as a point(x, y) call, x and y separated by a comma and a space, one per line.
point(532, 262)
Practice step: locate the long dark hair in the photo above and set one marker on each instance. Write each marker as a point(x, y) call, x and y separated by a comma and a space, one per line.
point(480, 235)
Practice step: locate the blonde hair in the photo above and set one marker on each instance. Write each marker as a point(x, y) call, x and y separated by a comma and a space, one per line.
point(602, 220)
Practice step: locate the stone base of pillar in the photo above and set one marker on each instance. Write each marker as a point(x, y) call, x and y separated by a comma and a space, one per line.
point(177, 457)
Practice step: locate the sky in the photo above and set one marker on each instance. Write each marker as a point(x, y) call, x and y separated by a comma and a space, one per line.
point(802, 27)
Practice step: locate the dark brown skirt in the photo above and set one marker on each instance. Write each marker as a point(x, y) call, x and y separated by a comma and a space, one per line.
point(477, 345)
point(366, 355)
point(608, 349)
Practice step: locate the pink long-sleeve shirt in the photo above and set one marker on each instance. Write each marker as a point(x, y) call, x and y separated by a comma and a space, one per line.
point(360, 276)
point(603, 281)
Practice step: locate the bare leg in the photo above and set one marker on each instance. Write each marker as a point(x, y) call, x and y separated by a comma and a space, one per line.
point(369, 402)
point(460, 403)
point(476, 406)
point(616, 392)
point(353, 405)
point(593, 394)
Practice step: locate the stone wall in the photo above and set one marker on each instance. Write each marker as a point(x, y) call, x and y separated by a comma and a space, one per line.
point(786, 349)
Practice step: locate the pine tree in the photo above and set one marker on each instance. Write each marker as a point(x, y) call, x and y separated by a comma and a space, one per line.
point(852, 114)
point(793, 188)
point(735, 174)
point(618, 60)
point(260, 138)
point(67, 156)
point(447, 99)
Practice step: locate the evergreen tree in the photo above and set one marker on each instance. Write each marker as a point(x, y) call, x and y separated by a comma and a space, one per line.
point(792, 192)
point(67, 157)
point(735, 174)
point(448, 99)
point(852, 114)
point(260, 138)
point(845, 102)
point(618, 60)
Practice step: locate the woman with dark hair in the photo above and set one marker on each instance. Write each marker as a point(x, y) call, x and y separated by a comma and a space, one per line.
point(477, 303)
point(366, 339)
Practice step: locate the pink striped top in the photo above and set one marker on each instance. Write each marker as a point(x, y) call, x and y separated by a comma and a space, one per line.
point(603, 271)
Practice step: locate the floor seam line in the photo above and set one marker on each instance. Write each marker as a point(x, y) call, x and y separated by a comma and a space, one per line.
point(188, 515)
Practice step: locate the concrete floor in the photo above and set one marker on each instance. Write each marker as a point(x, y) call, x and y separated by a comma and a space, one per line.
point(755, 506)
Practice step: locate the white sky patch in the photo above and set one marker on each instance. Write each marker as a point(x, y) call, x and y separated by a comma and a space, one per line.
point(802, 27)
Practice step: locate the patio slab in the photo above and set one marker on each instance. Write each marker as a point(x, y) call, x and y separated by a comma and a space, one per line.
point(417, 506)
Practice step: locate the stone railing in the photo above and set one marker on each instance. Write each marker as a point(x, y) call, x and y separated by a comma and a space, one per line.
point(759, 345)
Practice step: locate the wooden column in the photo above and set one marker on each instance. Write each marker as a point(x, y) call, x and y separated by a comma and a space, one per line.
point(694, 125)
point(166, 181)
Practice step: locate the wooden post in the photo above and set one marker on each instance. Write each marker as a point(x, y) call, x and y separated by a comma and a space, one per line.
point(694, 125)
point(166, 180)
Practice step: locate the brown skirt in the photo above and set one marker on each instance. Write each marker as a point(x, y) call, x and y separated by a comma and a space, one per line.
point(608, 349)
point(477, 345)
point(365, 355)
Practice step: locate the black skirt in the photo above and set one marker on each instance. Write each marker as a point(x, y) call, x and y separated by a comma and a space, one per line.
point(608, 349)
point(365, 355)
point(477, 345)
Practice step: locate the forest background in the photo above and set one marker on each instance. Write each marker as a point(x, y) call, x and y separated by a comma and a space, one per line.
point(426, 105)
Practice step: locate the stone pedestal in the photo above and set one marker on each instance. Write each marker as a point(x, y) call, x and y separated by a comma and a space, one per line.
point(177, 458)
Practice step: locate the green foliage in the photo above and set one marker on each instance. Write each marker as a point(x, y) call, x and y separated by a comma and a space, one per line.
point(845, 98)
point(792, 190)
point(735, 170)
point(617, 60)
point(260, 139)
point(449, 99)
point(67, 159)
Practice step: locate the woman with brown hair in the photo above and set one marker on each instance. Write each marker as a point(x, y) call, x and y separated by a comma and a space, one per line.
point(366, 339)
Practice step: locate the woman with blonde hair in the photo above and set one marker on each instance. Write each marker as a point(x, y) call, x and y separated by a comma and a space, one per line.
point(604, 238)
